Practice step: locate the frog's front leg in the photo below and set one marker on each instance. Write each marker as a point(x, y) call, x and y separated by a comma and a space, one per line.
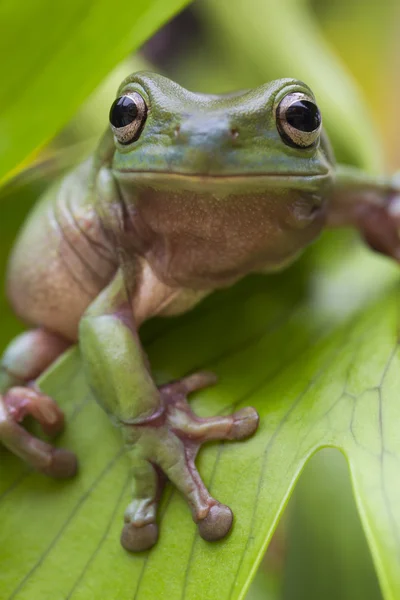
point(161, 432)
point(23, 361)
point(372, 205)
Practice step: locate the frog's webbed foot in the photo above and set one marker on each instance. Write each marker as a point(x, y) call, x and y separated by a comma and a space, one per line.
point(166, 445)
point(20, 402)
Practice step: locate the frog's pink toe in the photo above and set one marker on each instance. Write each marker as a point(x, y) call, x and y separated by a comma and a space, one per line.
point(138, 539)
point(217, 524)
point(63, 465)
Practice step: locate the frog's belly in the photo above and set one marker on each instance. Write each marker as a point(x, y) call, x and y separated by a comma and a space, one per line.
point(200, 240)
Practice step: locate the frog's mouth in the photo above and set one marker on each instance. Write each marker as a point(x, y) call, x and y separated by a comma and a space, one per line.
point(210, 182)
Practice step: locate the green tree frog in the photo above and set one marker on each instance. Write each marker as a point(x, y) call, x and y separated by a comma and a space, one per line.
point(186, 193)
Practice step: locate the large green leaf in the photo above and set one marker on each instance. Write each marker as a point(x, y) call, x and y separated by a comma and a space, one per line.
point(315, 350)
point(53, 54)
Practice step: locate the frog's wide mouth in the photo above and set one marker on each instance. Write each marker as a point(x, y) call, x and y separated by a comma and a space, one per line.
point(207, 180)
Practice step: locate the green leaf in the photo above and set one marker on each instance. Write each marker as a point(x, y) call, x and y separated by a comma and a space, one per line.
point(55, 54)
point(314, 349)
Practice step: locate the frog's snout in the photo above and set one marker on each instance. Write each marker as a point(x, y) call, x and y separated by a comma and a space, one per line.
point(210, 133)
point(206, 142)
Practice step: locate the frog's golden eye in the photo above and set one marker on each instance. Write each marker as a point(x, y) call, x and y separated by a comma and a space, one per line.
point(298, 120)
point(127, 117)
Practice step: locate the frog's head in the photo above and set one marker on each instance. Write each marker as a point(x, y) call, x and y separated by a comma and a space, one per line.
point(255, 151)
point(273, 130)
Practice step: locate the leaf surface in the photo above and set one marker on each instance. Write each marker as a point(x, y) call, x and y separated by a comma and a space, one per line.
point(315, 350)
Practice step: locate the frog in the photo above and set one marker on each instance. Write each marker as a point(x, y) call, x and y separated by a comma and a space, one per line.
point(187, 193)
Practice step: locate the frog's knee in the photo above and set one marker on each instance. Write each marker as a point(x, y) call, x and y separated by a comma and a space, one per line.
point(30, 353)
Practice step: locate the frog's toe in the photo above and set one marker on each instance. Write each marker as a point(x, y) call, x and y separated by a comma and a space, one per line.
point(14, 406)
point(245, 423)
point(217, 524)
point(140, 531)
point(182, 420)
point(214, 519)
point(23, 401)
point(63, 464)
point(139, 538)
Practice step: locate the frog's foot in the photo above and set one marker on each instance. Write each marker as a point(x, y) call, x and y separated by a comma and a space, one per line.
point(380, 224)
point(20, 402)
point(167, 443)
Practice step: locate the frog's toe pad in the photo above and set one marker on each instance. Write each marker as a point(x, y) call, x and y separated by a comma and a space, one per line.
point(138, 539)
point(64, 464)
point(217, 524)
point(245, 423)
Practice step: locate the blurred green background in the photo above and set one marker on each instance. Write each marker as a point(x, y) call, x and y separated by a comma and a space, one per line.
point(348, 51)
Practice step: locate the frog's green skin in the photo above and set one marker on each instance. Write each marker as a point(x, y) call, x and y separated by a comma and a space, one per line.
point(208, 192)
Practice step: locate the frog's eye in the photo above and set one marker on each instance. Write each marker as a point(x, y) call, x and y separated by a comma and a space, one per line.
point(127, 117)
point(298, 120)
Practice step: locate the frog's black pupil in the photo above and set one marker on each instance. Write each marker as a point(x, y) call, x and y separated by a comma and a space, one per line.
point(123, 111)
point(303, 115)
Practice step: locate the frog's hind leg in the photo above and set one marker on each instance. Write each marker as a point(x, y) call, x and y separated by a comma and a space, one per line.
point(189, 432)
point(23, 361)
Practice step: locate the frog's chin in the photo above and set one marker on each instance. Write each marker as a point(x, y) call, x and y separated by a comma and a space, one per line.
point(221, 181)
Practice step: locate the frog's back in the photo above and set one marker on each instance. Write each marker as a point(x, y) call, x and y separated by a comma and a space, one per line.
point(62, 259)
